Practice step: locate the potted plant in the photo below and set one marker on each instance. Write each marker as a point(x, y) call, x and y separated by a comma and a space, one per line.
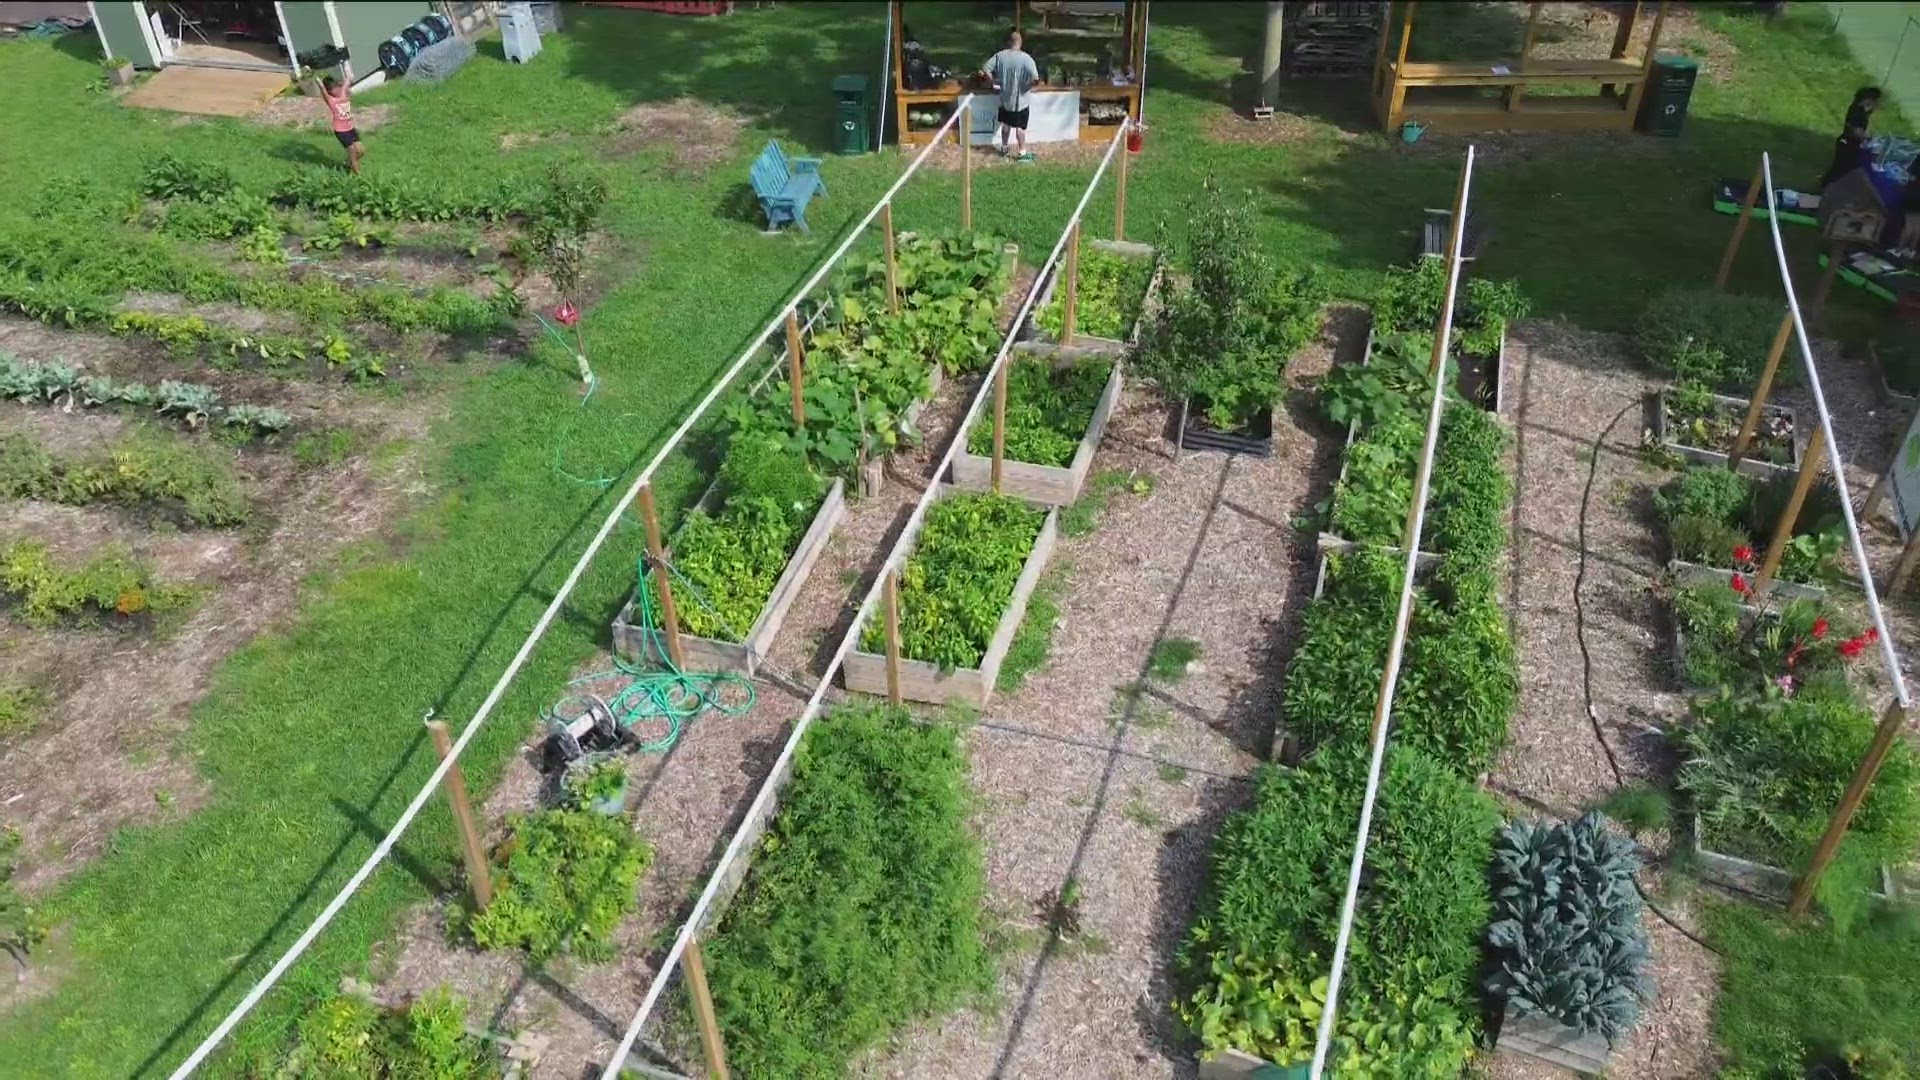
point(598, 785)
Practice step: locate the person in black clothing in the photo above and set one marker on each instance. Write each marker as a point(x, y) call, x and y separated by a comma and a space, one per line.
point(1850, 149)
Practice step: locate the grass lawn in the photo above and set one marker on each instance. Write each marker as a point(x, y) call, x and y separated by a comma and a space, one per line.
point(311, 740)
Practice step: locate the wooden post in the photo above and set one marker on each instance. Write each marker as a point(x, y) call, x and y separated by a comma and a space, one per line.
point(1622, 38)
point(966, 166)
point(893, 636)
point(1739, 229)
point(893, 269)
point(1903, 569)
point(711, 1047)
point(1646, 67)
point(1819, 302)
point(795, 373)
point(1120, 187)
point(1000, 420)
point(1071, 299)
point(1761, 391)
point(656, 552)
point(1878, 493)
point(479, 878)
point(1883, 738)
point(1783, 529)
point(1519, 90)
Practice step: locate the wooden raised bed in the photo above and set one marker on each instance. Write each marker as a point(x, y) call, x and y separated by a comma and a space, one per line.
point(1687, 573)
point(929, 683)
point(1545, 1039)
point(1048, 485)
point(1090, 343)
point(711, 654)
point(1758, 879)
point(1700, 455)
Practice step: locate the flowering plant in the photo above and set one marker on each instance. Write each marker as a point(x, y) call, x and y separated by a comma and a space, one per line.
point(1726, 642)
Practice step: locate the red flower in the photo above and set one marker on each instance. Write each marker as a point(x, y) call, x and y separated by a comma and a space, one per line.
point(1740, 584)
point(1820, 628)
point(1853, 646)
point(566, 314)
point(1794, 653)
point(1742, 553)
point(1872, 635)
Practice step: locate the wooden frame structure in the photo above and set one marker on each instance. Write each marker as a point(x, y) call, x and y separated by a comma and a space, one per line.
point(1133, 33)
point(1620, 83)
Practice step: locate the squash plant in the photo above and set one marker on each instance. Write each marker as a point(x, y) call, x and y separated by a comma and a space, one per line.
point(1049, 407)
point(1410, 300)
point(569, 879)
point(955, 588)
point(1112, 289)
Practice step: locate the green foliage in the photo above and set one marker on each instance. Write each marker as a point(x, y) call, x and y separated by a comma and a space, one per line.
point(1253, 958)
point(170, 176)
point(1083, 517)
point(20, 708)
point(1410, 300)
point(733, 561)
point(22, 925)
point(1696, 417)
point(1112, 288)
point(1170, 659)
point(1048, 409)
point(955, 589)
point(1031, 643)
point(1764, 773)
point(177, 478)
point(754, 470)
point(1783, 648)
point(1390, 385)
point(862, 910)
point(1712, 338)
point(1469, 493)
point(347, 1037)
point(589, 784)
point(1710, 512)
point(1566, 934)
point(112, 586)
point(397, 197)
point(569, 879)
point(1639, 808)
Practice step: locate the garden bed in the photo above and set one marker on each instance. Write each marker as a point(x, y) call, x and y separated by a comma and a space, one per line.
point(1050, 485)
point(933, 683)
point(1890, 370)
point(1688, 573)
point(713, 654)
point(1104, 344)
point(1195, 433)
point(1754, 878)
point(1773, 450)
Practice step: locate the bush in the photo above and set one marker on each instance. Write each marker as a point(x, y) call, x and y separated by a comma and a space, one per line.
point(1713, 338)
point(172, 177)
point(956, 586)
point(569, 879)
point(1048, 409)
point(112, 586)
point(1566, 936)
point(862, 911)
point(145, 470)
point(346, 1037)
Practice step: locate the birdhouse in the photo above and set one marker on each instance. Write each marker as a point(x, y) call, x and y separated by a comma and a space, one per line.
point(1851, 210)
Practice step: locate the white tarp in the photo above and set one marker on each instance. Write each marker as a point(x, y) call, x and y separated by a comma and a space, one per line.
point(1052, 116)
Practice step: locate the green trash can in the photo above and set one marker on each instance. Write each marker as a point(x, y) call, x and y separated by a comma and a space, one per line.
point(852, 115)
point(1663, 108)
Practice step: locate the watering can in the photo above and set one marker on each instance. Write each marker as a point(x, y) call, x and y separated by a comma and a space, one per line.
point(1411, 131)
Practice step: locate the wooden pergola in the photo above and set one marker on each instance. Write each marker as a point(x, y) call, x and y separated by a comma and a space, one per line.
point(1619, 83)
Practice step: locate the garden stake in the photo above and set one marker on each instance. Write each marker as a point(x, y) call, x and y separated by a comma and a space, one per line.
point(1874, 496)
point(475, 856)
point(794, 357)
point(893, 270)
point(1761, 391)
point(1739, 231)
point(669, 618)
point(1783, 529)
point(1819, 302)
point(1120, 192)
point(1883, 738)
point(711, 1047)
point(999, 422)
point(893, 637)
point(965, 131)
point(1069, 302)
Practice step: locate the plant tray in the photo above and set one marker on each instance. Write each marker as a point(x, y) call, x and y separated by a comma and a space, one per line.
point(929, 683)
point(1746, 876)
point(710, 654)
point(1686, 573)
point(1702, 456)
point(1196, 435)
point(1089, 343)
point(1546, 1039)
point(1731, 193)
point(1880, 372)
point(1048, 485)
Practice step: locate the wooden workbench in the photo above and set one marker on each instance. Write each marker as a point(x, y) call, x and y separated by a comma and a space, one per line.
point(948, 95)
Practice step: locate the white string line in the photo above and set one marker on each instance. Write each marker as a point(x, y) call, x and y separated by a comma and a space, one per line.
point(764, 798)
point(413, 809)
point(1839, 462)
point(1323, 1041)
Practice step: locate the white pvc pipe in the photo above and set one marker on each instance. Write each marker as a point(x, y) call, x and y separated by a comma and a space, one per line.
point(1323, 1041)
point(499, 690)
point(1887, 653)
point(762, 801)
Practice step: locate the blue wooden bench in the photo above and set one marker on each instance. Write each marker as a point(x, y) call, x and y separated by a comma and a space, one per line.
point(785, 186)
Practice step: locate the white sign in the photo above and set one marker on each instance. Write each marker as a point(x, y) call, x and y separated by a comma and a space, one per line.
point(1904, 477)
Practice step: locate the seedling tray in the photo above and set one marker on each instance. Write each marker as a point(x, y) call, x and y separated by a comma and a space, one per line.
point(1700, 455)
point(712, 654)
point(1048, 485)
point(1731, 192)
point(1755, 878)
point(1090, 343)
point(929, 683)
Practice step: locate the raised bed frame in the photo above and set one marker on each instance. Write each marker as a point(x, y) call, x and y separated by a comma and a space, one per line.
point(1091, 343)
point(1543, 1038)
point(929, 683)
point(1333, 542)
point(1757, 879)
point(1688, 573)
point(1048, 485)
point(1749, 466)
point(746, 656)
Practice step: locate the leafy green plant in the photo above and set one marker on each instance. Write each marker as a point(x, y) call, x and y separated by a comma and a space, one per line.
point(862, 910)
point(178, 478)
point(1639, 808)
point(1780, 648)
point(1712, 338)
point(1031, 643)
point(592, 784)
point(192, 403)
point(22, 925)
point(1468, 497)
point(1170, 659)
point(171, 176)
point(347, 1037)
point(1715, 517)
point(1391, 384)
point(568, 879)
point(1112, 288)
point(1049, 407)
point(20, 708)
point(113, 586)
point(1410, 300)
point(1566, 935)
point(956, 586)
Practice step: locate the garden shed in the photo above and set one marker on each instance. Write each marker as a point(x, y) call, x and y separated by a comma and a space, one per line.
point(263, 35)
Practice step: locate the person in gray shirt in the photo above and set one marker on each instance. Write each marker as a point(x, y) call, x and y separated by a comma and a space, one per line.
point(1013, 73)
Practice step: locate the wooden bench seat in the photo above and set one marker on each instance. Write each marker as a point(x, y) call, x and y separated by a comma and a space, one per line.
point(785, 186)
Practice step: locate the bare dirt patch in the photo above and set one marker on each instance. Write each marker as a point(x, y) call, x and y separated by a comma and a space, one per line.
point(300, 111)
point(1585, 31)
point(1074, 154)
point(695, 134)
point(1232, 127)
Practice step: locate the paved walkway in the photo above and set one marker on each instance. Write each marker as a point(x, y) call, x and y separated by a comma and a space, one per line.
point(1885, 38)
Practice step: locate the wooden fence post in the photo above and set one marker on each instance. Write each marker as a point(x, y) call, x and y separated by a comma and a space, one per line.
point(893, 636)
point(1903, 569)
point(1761, 392)
point(479, 878)
point(1739, 229)
point(893, 269)
point(1120, 188)
point(1000, 420)
point(711, 1046)
point(1883, 739)
point(1878, 492)
point(1072, 285)
point(795, 373)
point(1824, 286)
point(656, 552)
point(1783, 529)
point(966, 167)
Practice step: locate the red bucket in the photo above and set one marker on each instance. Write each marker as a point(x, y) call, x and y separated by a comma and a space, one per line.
point(1134, 138)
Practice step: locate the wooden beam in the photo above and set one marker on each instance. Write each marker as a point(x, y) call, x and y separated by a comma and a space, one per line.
point(711, 1047)
point(893, 636)
point(1903, 569)
point(1739, 229)
point(1824, 287)
point(1783, 529)
point(1120, 187)
point(479, 878)
point(965, 131)
point(1000, 420)
point(1519, 90)
point(1646, 66)
point(1761, 391)
point(893, 268)
point(1069, 300)
point(657, 554)
point(1884, 735)
point(895, 12)
point(795, 370)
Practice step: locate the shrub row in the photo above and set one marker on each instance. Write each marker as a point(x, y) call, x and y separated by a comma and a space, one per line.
point(182, 481)
point(110, 587)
